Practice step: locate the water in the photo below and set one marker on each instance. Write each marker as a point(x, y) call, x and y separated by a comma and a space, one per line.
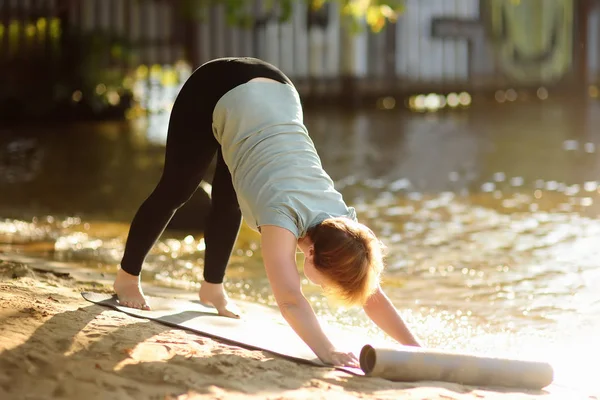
point(490, 217)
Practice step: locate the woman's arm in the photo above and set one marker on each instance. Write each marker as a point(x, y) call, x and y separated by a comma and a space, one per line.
point(381, 311)
point(279, 256)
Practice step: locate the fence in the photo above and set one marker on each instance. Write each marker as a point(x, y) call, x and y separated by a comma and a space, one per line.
point(54, 51)
point(435, 45)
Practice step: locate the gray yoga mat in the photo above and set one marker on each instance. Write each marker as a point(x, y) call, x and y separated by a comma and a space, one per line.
point(263, 329)
point(257, 330)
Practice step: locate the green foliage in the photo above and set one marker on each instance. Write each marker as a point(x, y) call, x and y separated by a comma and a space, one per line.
point(243, 13)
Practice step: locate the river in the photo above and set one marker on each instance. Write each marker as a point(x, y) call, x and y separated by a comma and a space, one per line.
point(490, 216)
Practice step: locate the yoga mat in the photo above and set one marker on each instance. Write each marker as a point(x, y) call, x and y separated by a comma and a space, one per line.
point(263, 329)
point(424, 364)
point(258, 329)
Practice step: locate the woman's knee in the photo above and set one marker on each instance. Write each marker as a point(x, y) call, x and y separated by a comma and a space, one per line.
point(171, 196)
point(226, 213)
point(231, 211)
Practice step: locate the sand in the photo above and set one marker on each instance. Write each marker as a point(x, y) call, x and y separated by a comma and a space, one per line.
point(54, 344)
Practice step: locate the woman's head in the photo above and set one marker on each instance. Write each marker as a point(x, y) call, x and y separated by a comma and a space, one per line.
point(344, 257)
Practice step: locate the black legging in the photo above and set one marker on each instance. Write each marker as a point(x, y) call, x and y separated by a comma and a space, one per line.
point(191, 147)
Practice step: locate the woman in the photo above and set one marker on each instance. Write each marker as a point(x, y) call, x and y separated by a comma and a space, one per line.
point(249, 114)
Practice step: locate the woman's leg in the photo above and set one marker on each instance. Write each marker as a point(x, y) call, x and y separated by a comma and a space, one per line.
point(223, 224)
point(190, 148)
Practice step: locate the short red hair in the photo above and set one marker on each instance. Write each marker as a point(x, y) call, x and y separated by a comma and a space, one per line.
point(349, 256)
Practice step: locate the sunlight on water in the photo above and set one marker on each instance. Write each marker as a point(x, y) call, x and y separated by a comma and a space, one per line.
point(466, 277)
point(491, 221)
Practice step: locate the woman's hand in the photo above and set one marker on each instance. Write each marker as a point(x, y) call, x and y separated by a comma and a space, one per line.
point(340, 359)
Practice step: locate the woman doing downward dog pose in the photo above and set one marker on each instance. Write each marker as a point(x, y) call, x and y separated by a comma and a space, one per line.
point(249, 114)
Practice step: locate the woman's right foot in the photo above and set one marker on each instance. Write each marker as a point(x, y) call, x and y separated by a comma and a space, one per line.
point(129, 291)
point(214, 294)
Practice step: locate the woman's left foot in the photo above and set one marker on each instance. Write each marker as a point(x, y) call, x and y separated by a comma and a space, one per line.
point(129, 291)
point(214, 294)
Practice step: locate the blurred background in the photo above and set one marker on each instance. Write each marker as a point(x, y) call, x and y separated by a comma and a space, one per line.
point(108, 59)
point(463, 131)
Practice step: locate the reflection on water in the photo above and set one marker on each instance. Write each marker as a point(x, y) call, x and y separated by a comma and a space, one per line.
point(490, 216)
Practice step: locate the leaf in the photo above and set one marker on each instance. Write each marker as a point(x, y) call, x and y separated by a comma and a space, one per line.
point(268, 5)
point(376, 13)
point(286, 8)
point(317, 4)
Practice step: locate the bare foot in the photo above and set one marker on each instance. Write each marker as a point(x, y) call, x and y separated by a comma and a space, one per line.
point(214, 294)
point(129, 291)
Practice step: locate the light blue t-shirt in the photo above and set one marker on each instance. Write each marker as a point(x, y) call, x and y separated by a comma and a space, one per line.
point(276, 171)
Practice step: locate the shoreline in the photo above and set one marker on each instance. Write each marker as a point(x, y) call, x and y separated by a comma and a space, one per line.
point(69, 348)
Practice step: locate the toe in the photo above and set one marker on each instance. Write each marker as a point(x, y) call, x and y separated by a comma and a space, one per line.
point(227, 313)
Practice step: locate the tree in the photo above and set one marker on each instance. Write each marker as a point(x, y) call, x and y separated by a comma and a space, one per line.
point(376, 13)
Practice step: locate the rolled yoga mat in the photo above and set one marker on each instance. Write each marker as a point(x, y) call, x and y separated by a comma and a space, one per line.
point(261, 328)
point(423, 364)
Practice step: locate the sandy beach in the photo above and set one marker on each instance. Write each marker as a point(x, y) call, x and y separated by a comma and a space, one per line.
point(54, 344)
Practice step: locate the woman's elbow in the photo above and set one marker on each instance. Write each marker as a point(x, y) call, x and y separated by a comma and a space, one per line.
point(289, 300)
point(375, 301)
